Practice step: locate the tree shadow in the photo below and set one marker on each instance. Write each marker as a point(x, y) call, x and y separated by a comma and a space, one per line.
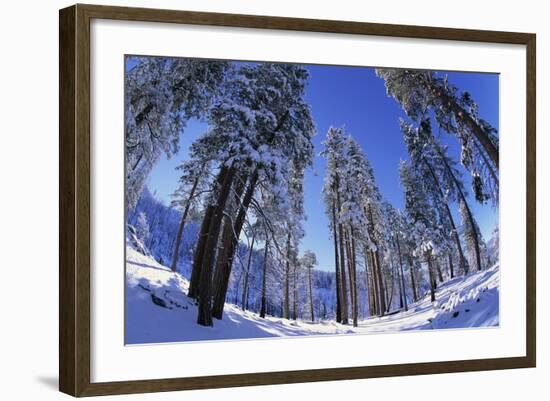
point(148, 266)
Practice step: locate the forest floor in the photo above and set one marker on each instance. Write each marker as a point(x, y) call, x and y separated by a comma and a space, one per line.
point(157, 309)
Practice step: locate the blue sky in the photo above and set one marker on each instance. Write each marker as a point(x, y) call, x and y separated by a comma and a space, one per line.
point(355, 98)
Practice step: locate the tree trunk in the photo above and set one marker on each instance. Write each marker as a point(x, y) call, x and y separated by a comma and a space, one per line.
point(311, 295)
point(439, 272)
point(468, 212)
point(247, 273)
point(286, 301)
point(294, 292)
point(337, 268)
point(368, 279)
point(264, 271)
point(201, 242)
point(354, 279)
point(402, 274)
point(347, 245)
point(431, 275)
point(487, 164)
point(343, 275)
point(382, 294)
point(344, 290)
point(390, 290)
point(182, 223)
point(205, 291)
point(230, 243)
point(461, 258)
point(451, 268)
point(461, 115)
point(413, 280)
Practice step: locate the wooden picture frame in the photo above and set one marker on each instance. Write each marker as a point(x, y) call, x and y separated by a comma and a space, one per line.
point(74, 199)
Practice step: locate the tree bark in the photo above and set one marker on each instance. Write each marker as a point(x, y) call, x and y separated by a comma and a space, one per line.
point(247, 274)
point(461, 258)
point(431, 275)
point(347, 245)
point(311, 295)
point(390, 290)
point(294, 292)
point(337, 268)
point(194, 282)
point(344, 290)
point(451, 268)
point(377, 268)
point(462, 115)
point(230, 243)
point(468, 212)
point(413, 280)
point(438, 269)
point(182, 224)
point(264, 287)
point(376, 287)
point(354, 278)
point(286, 301)
point(368, 279)
point(205, 291)
point(402, 274)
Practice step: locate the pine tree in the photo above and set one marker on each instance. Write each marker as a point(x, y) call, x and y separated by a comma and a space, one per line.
point(427, 234)
point(142, 228)
point(161, 95)
point(334, 153)
point(421, 148)
point(192, 185)
point(261, 127)
point(457, 114)
point(309, 261)
point(397, 226)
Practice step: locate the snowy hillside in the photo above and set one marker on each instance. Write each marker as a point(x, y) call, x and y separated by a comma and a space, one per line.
point(157, 309)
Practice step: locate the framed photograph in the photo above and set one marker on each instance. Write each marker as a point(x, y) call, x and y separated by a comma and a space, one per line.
point(249, 200)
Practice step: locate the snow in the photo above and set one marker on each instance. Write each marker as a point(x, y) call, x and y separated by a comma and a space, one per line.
point(157, 309)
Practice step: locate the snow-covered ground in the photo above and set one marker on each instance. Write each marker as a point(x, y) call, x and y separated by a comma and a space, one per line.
point(157, 309)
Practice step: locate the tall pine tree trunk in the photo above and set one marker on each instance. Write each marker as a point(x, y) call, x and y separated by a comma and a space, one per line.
point(205, 288)
point(311, 296)
point(439, 272)
point(369, 283)
point(354, 278)
point(344, 290)
point(413, 280)
point(230, 240)
point(343, 280)
point(376, 287)
point(401, 273)
point(247, 273)
point(286, 300)
point(468, 212)
point(461, 258)
point(464, 117)
point(451, 268)
point(264, 274)
point(337, 268)
point(431, 277)
point(349, 269)
point(379, 280)
point(381, 287)
point(294, 292)
point(175, 252)
point(194, 282)
point(390, 290)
